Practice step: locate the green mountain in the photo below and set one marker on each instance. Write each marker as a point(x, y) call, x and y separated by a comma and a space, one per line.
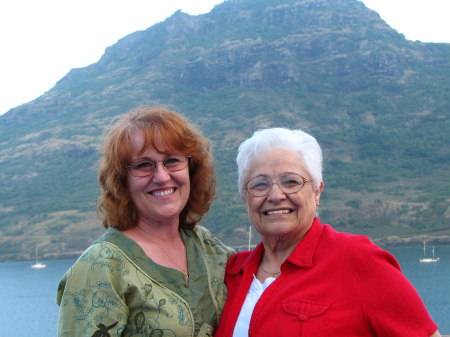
point(376, 102)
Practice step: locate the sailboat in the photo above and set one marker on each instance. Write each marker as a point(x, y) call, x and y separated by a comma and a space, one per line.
point(428, 259)
point(37, 264)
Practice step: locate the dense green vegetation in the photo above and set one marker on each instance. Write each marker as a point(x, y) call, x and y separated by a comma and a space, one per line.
point(377, 103)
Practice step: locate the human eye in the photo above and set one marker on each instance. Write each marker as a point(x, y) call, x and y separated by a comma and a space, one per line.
point(291, 180)
point(172, 161)
point(259, 184)
point(143, 165)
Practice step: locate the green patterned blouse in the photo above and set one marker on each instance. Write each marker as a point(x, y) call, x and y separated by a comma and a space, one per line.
point(114, 289)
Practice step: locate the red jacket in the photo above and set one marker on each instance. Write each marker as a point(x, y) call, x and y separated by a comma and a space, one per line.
point(333, 284)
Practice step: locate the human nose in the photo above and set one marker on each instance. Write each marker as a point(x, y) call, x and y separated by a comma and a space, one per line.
point(161, 173)
point(275, 192)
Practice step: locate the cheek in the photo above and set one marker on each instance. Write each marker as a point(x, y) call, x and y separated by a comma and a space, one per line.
point(253, 206)
point(135, 186)
point(255, 219)
point(187, 190)
point(185, 181)
point(130, 185)
point(307, 205)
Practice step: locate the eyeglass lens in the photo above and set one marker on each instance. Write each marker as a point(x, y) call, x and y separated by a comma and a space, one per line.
point(288, 183)
point(145, 167)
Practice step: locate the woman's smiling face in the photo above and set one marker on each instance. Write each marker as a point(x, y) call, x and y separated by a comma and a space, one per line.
point(280, 215)
point(160, 197)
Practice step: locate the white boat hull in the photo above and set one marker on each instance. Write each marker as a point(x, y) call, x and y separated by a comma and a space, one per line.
point(38, 265)
point(427, 260)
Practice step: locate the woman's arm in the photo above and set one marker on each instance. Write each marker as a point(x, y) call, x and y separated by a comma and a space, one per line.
point(393, 306)
point(90, 297)
point(436, 334)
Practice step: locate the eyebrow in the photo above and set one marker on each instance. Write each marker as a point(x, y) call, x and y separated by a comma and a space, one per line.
point(165, 156)
point(282, 174)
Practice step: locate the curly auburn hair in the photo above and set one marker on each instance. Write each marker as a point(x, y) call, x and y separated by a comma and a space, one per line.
point(115, 207)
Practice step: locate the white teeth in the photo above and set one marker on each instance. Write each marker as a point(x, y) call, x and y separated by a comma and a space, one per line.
point(163, 193)
point(284, 211)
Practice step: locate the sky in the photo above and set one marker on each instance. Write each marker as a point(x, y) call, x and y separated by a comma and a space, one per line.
point(42, 40)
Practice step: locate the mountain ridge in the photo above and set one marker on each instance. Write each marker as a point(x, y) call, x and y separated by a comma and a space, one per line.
point(376, 102)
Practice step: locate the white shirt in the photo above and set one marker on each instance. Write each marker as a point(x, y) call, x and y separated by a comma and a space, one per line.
point(253, 295)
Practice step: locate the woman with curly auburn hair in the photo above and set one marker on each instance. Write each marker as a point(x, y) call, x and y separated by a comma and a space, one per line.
point(154, 271)
point(177, 135)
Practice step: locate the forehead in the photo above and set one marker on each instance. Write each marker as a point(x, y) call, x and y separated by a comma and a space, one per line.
point(276, 161)
point(141, 142)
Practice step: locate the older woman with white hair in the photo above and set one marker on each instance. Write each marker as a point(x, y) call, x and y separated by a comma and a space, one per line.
point(304, 278)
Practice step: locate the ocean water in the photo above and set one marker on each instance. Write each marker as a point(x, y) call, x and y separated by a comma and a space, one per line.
point(28, 296)
point(431, 280)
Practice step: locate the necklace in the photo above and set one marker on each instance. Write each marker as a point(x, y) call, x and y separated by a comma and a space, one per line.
point(184, 271)
point(274, 275)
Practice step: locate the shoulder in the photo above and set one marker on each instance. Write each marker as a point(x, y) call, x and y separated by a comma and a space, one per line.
point(100, 258)
point(246, 259)
point(239, 260)
point(202, 233)
point(208, 241)
point(101, 265)
point(358, 249)
point(109, 256)
point(347, 240)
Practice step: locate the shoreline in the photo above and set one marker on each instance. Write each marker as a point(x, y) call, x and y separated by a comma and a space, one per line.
point(391, 241)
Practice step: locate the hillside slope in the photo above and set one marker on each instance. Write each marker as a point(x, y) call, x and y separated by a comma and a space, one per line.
point(376, 102)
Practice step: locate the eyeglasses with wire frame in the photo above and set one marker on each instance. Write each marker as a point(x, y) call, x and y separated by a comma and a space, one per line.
point(146, 167)
point(288, 183)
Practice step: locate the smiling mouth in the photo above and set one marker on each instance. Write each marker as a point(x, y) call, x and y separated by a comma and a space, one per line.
point(282, 211)
point(163, 193)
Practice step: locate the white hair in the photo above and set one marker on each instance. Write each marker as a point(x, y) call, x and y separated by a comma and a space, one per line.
point(297, 141)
